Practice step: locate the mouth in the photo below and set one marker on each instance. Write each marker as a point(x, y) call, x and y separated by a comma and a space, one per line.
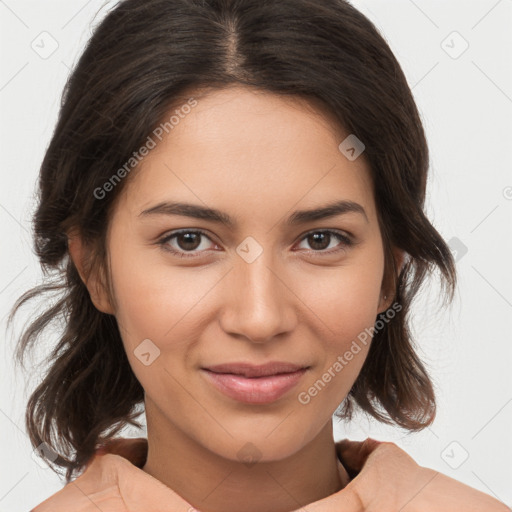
point(255, 384)
point(249, 370)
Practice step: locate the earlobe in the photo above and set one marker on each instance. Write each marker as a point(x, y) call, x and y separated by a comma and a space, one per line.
point(79, 254)
point(383, 304)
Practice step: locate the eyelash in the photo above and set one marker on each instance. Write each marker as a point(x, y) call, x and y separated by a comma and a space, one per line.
point(346, 241)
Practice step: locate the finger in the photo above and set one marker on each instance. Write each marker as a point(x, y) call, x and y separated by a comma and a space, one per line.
point(353, 454)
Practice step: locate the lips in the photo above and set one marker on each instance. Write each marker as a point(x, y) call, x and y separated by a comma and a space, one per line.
point(252, 384)
point(249, 371)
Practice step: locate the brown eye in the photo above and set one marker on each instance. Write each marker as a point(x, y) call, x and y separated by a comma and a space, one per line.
point(319, 241)
point(186, 241)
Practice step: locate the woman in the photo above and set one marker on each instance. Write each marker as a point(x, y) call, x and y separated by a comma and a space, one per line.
point(233, 196)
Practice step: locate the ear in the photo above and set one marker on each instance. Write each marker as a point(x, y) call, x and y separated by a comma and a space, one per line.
point(387, 295)
point(80, 253)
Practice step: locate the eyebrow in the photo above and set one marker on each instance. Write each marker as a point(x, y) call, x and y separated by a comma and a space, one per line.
point(296, 218)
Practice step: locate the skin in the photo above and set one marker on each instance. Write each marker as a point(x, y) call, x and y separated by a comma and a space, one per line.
point(258, 157)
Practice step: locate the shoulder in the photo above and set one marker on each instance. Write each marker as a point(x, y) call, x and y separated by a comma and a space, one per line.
point(447, 494)
point(72, 498)
point(389, 479)
point(94, 490)
point(113, 468)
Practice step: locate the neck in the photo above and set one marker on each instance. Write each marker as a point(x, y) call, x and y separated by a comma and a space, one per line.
point(213, 483)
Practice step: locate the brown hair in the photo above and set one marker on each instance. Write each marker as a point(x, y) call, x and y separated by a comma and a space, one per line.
point(141, 58)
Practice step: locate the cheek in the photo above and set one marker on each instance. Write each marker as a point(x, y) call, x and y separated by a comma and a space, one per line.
point(168, 305)
point(345, 301)
point(156, 303)
point(152, 301)
point(348, 308)
point(344, 298)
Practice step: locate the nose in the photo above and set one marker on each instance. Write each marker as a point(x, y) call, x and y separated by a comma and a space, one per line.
point(259, 302)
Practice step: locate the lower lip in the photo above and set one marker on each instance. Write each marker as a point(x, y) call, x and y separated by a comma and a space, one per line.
point(257, 390)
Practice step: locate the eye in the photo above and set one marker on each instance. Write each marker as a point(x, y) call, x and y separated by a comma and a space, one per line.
point(188, 242)
point(321, 240)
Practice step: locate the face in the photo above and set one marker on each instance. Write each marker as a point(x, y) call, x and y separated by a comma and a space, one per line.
point(191, 292)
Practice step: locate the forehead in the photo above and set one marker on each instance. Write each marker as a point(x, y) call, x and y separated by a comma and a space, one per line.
point(244, 149)
point(254, 117)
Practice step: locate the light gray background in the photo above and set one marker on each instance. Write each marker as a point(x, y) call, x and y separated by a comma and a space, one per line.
point(466, 104)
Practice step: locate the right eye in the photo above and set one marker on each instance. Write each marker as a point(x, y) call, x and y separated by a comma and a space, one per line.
point(187, 241)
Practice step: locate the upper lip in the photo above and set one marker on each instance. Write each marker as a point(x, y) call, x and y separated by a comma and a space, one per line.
point(251, 370)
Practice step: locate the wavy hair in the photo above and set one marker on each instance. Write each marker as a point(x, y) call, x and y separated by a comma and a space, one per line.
point(140, 60)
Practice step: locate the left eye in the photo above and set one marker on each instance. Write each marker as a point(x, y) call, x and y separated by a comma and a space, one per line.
point(189, 241)
point(321, 240)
